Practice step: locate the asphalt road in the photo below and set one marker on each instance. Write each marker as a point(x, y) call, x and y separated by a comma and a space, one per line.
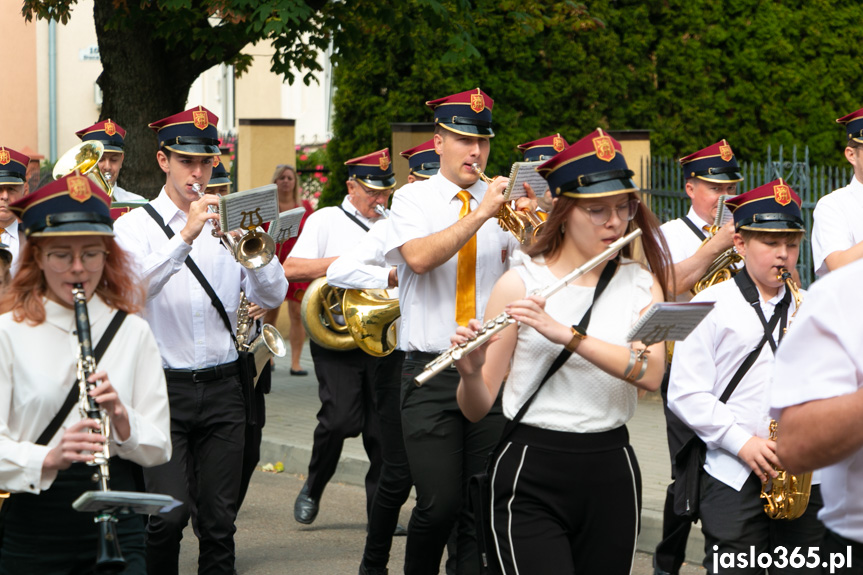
point(270, 542)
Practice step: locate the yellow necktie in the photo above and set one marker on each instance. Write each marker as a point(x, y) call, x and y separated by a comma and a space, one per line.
point(465, 283)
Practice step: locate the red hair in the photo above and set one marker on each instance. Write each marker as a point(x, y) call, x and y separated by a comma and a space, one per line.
point(118, 287)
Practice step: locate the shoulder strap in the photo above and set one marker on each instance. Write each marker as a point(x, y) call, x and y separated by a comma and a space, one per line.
point(72, 397)
point(695, 229)
point(354, 219)
point(193, 267)
point(604, 279)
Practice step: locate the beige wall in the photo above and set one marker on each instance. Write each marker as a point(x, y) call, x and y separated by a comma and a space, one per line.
point(405, 137)
point(262, 145)
point(18, 114)
point(635, 145)
point(258, 91)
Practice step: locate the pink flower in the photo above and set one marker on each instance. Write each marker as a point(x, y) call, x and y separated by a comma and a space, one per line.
point(317, 194)
point(298, 147)
point(303, 157)
point(323, 179)
point(319, 168)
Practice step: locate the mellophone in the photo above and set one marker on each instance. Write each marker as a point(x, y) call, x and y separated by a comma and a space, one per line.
point(498, 323)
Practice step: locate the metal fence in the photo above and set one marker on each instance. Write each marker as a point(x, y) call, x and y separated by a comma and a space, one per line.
point(662, 182)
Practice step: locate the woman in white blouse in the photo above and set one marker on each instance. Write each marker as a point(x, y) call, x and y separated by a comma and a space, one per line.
point(565, 484)
point(70, 241)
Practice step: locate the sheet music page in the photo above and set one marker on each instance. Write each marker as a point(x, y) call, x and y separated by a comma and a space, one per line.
point(250, 208)
point(669, 321)
point(288, 225)
point(524, 172)
point(723, 214)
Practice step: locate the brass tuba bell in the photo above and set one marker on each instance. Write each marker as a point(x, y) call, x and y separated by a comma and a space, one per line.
point(84, 158)
point(320, 311)
point(371, 319)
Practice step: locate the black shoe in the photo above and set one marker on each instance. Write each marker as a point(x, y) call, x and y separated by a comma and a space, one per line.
point(658, 571)
point(401, 531)
point(370, 571)
point(299, 371)
point(305, 508)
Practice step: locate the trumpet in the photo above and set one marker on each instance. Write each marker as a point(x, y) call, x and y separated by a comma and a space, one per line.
point(498, 323)
point(109, 558)
point(523, 224)
point(253, 250)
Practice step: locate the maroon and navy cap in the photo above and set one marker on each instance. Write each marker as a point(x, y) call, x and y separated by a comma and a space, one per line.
point(467, 113)
point(13, 166)
point(423, 160)
point(543, 149)
point(73, 205)
point(853, 125)
point(374, 170)
point(108, 132)
point(220, 175)
point(714, 163)
point(192, 132)
point(773, 207)
point(592, 167)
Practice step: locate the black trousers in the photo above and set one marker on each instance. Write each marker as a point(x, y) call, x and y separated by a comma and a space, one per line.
point(346, 389)
point(395, 482)
point(671, 551)
point(566, 503)
point(45, 535)
point(733, 521)
point(444, 449)
point(254, 433)
point(208, 423)
point(835, 551)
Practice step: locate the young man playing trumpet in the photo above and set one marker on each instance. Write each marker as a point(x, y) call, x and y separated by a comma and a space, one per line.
point(195, 335)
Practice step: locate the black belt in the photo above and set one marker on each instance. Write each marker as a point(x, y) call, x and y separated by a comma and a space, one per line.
point(424, 356)
point(203, 375)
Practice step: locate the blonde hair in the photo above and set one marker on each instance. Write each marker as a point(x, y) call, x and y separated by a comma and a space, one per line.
point(280, 169)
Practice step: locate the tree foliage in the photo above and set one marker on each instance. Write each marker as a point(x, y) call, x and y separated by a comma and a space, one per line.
point(690, 71)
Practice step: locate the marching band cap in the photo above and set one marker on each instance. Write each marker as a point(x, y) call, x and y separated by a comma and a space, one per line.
point(714, 163)
point(73, 205)
point(467, 113)
point(192, 132)
point(543, 149)
point(374, 170)
point(109, 133)
point(423, 160)
point(773, 207)
point(853, 125)
point(13, 166)
point(592, 167)
point(220, 176)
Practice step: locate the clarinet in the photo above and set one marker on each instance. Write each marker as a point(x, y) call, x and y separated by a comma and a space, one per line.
point(109, 558)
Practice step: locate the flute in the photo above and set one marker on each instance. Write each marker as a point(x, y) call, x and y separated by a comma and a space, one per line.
point(498, 323)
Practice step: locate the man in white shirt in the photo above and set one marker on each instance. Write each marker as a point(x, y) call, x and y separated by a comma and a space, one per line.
point(209, 402)
point(13, 185)
point(112, 136)
point(345, 377)
point(709, 173)
point(837, 228)
point(428, 239)
point(817, 396)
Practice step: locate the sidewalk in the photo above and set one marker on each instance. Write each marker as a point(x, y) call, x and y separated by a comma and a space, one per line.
point(293, 404)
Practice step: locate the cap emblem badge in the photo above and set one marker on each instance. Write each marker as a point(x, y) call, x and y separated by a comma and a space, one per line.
point(110, 128)
point(604, 148)
point(477, 103)
point(79, 188)
point(557, 144)
point(5, 157)
point(216, 161)
point(725, 152)
point(384, 162)
point(200, 118)
point(782, 194)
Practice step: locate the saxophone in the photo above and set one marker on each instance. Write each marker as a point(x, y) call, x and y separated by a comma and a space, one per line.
point(109, 558)
point(269, 342)
point(788, 495)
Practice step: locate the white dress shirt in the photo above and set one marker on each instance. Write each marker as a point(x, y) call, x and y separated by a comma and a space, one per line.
point(190, 332)
point(837, 223)
point(363, 266)
point(37, 369)
point(682, 241)
point(579, 397)
point(704, 364)
point(821, 358)
point(428, 300)
point(125, 196)
point(12, 238)
point(329, 232)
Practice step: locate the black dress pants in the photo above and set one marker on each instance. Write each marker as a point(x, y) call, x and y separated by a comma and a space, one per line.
point(208, 423)
point(346, 389)
point(444, 449)
point(395, 482)
point(254, 433)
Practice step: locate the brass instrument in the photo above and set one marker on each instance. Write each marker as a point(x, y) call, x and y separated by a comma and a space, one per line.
point(320, 312)
point(724, 266)
point(523, 224)
point(788, 495)
point(253, 250)
point(84, 158)
point(109, 558)
point(269, 342)
point(498, 323)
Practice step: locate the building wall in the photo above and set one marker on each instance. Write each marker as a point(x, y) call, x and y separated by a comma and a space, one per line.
point(18, 90)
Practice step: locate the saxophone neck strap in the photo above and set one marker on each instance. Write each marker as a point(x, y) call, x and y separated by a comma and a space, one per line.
point(72, 397)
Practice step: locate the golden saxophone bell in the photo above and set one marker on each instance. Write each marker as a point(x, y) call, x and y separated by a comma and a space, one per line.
point(721, 269)
point(84, 158)
point(788, 495)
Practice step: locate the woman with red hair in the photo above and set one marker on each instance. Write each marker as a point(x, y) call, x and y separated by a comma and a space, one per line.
point(71, 246)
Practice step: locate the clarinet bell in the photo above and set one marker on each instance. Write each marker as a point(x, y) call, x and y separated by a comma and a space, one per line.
point(109, 558)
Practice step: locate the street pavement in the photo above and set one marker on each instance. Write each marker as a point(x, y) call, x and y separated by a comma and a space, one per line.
point(270, 542)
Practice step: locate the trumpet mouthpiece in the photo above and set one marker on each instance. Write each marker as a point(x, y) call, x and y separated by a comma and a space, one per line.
point(196, 187)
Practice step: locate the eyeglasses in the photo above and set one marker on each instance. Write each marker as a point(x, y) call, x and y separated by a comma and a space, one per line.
point(91, 260)
point(600, 215)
